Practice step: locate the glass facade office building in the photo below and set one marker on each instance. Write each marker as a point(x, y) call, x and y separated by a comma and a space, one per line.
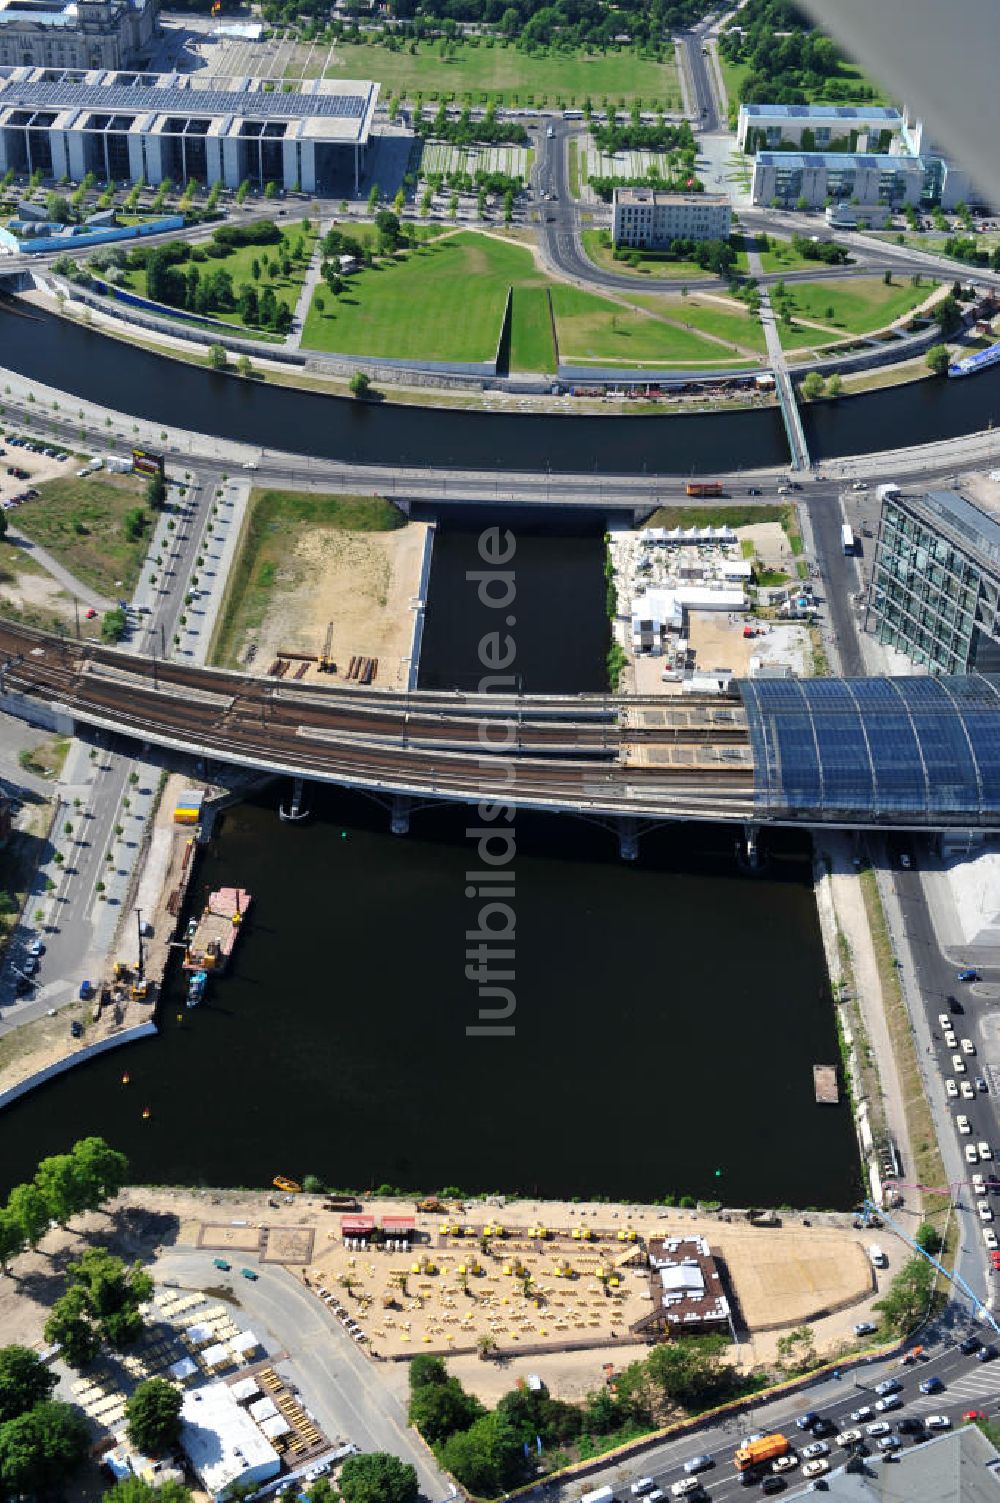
point(935, 590)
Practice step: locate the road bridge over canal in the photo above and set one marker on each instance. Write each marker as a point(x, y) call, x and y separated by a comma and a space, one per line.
point(915, 753)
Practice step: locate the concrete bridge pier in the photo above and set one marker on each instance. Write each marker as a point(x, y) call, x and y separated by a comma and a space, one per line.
point(399, 813)
point(629, 831)
point(295, 812)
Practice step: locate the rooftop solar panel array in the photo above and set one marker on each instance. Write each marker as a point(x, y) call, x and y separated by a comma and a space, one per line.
point(920, 751)
point(180, 101)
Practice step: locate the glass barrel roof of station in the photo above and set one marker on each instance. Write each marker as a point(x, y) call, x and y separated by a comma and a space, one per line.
point(876, 750)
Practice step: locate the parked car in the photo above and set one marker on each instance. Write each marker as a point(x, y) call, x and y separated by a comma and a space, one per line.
point(969, 974)
point(985, 1151)
point(817, 1448)
point(968, 1091)
point(772, 1485)
point(891, 1401)
point(888, 1385)
point(932, 1384)
point(951, 1090)
point(985, 1210)
point(850, 1437)
point(971, 1153)
point(968, 1047)
point(816, 1468)
point(249, 1273)
point(964, 1125)
point(937, 1422)
point(879, 1428)
point(969, 1345)
point(698, 1464)
point(986, 1353)
point(865, 1328)
point(807, 1420)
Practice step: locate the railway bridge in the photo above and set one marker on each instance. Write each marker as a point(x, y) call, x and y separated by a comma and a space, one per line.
point(905, 753)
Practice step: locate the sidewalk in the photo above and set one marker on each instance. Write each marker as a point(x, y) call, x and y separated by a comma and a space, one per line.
point(69, 581)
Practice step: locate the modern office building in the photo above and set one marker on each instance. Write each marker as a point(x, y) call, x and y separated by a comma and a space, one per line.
point(813, 127)
point(869, 178)
point(649, 218)
point(76, 33)
point(126, 126)
point(935, 590)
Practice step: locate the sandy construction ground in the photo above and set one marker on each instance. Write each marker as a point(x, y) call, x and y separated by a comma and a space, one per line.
point(780, 1277)
point(771, 545)
point(362, 582)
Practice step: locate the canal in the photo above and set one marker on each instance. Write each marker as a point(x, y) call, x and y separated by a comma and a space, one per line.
point(555, 623)
point(668, 1015)
point(121, 376)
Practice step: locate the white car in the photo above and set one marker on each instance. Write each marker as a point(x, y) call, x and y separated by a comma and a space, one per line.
point(816, 1468)
point(968, 1090)
point(937, 1422)
point(958, 1064)
point(951, 1038)
point(964, 1126)
point(879, 1428)
point(951, 1089)
point(978, 1185)
point(864, 1413)
point(985, 1213)
point(892, 1402)
point(849, 1437)
point(785, 1463)
point(685, 1487)
point(985, 1151)
point(968, 1047)
point(944, 1019)
point(971, 1153)
point(817, 1448)
point(990, 1238)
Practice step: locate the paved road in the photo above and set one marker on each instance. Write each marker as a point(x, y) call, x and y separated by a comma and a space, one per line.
point(968, 1384)
point(340, 1385)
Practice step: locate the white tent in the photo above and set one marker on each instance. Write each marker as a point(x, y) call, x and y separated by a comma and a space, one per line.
point(262, 1410)
point(184, 1369)
point(216, 1356)
point(246, 1388)
point(244, 1344)
point(275, 1426)
point(200, 1335)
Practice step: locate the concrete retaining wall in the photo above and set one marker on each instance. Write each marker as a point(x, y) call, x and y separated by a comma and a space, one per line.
point(14, 1093)
point(45, 716)
point(420, 612)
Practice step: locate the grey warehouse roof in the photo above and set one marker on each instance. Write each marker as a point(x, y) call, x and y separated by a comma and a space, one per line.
point(173, 100)
point(874, 750)
point(976, 528)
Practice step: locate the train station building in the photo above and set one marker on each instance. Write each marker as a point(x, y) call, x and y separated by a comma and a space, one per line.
point(123, 126)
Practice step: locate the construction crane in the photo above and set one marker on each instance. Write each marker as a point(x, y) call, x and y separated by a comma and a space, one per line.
point(979, 1308)
point(326, 663)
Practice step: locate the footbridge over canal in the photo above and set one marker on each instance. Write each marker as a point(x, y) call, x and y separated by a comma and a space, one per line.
point(915, 753)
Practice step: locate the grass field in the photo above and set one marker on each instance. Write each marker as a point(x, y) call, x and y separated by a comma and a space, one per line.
point(651, 267)
point(531, 347)
point(443, 301)
point(410, 310)
point(81, 523)
point(729, 321)
point(852, 307)
point(781, 257)
point(272, 521)
point(239, 264)
point(510, 76)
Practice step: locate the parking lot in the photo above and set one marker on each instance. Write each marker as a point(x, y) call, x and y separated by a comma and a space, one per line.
point(24, 463)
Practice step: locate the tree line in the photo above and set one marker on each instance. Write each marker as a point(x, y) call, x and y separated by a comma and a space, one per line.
point(63, 1185)
point(789, 60)
point(465, 131)
point(567, 23)
point(491, 1451)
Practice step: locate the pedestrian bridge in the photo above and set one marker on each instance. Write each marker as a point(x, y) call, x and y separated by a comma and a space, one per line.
point(910, 753)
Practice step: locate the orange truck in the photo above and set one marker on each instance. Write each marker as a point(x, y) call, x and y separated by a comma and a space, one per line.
point(768, 1448)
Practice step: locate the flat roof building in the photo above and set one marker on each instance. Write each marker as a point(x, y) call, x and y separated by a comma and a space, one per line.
point(868, 177)
point(935, 589)
point(127, 126)
point(221, 1441)
point(649, 218)
point(76, 33)
point(768, 125)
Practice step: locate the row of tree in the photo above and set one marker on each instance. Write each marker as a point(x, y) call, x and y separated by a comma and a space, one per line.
point(64, 1185)
point(789, 61)
point(466, 131)
point(636, 136)
point(492, 1451)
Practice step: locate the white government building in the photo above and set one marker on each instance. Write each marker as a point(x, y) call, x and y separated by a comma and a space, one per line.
point(649, 218)
point(313, 136)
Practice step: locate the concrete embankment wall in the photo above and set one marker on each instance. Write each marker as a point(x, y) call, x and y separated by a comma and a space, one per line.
point(420, 610)
point(51, 1072)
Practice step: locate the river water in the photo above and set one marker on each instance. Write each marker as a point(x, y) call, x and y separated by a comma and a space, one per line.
point(668, 1016)
point(121, 376)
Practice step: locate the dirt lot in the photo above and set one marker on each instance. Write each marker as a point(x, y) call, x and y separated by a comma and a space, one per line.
point(771, 545)
point(363, 583)
point(38, 466)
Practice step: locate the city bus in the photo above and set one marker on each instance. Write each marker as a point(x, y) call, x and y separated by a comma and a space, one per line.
point(847, 539)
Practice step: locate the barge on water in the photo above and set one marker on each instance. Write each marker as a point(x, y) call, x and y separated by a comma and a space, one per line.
point(972, 364)
point(211, 938)
point(825, 1085)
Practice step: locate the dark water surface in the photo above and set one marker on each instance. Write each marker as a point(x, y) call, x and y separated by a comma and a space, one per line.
point(121, 376)
point(668, 1018)
point(555, 630)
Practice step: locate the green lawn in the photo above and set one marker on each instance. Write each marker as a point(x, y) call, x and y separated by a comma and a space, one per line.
point(531, 346)
point(651, 268)
point(443, 301)
point(852, 307)
point(733, 75)
point(781, 257)
point(273, 519)
point(81, 523)
point(239, 264)
point(731, 321)
point(510, 76)
point(591, 328)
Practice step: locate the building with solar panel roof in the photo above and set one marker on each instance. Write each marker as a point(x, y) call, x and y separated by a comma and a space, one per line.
point(76, 33)
point(126, 126)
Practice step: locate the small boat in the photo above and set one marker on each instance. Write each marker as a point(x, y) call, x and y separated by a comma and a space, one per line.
point(972, 364)
point(196, 988)
point(280, 1182)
